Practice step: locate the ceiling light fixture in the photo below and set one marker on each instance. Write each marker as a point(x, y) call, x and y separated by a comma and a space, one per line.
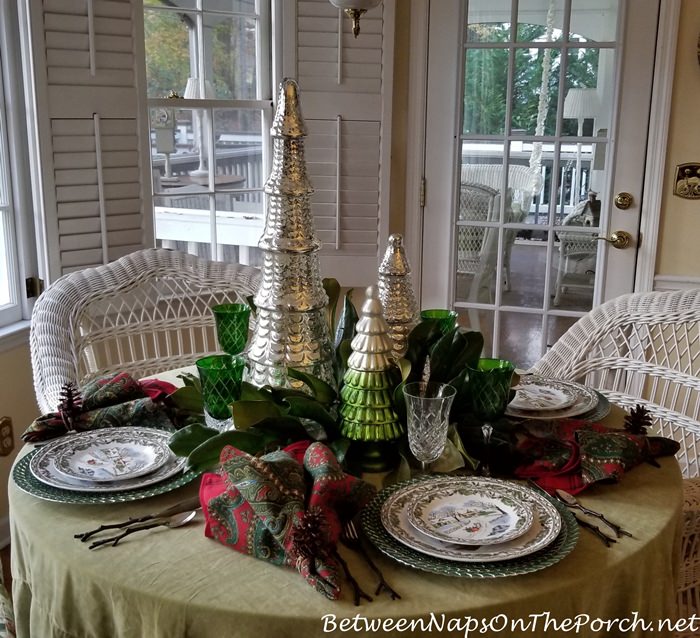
point(355, 8)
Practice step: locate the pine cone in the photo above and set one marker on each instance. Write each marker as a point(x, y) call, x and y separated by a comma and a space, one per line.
point(71, 405)
point(310, 536)
point(638, 420)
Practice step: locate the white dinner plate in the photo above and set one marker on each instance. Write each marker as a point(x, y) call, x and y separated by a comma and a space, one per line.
point(111, 454)
point(586, 400)
point(43, 467)
point(543, 531)
point(471, 512)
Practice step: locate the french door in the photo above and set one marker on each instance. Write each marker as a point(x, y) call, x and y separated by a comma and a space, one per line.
point(536, 131)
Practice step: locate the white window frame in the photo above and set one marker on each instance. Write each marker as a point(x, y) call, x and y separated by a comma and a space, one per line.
point(225, 228)
point(14, 164)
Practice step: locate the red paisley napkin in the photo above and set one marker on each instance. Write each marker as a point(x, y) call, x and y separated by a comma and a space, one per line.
point(577, 454)
point(253, 505)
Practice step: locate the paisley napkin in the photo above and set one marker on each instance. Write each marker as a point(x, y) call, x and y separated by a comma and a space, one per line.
point(577, 454)
point(256, 505)
point(111, 401)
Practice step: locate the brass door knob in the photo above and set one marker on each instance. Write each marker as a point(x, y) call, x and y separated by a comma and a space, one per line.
point(623, 200)
point(618, 239)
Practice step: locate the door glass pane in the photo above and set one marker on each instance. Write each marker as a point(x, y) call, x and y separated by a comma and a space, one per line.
point(596, 23)
point(524, 268)
point(521, 338)
point(486, 82)
point(556, 327)
point(540, 20)
point(488, 21)
point(535, 91)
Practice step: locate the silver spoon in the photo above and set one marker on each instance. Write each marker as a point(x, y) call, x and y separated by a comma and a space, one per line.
point(572, 501)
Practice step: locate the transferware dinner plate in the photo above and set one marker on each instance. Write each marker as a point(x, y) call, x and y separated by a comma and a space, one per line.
point(470, 512)
point(544, 394)
point(586, 401)
point(27, 482)
point(387, 544)
point(110, 454)
point(43, 467)
point(543, 531)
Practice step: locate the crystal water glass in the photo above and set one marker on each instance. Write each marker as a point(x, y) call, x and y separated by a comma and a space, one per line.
point(428, 414)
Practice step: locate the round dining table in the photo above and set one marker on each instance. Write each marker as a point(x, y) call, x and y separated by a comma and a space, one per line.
point(172, 583)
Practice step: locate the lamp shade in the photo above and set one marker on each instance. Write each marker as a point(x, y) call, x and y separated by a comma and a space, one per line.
point(193, 90)
point(581, 103)
point(360, 5)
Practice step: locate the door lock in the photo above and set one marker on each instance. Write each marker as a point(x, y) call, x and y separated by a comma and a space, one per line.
point(623, 200)
point(618, 239)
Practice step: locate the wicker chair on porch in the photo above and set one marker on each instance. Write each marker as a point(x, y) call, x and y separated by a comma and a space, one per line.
point(644, 348)
point(144, 313)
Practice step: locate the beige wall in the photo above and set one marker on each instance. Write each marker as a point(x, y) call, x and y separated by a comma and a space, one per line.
point(678, 252)
point(16, 401)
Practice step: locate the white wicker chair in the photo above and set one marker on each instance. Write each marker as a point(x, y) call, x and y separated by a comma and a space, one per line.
point(647, 345)
point(144, 313)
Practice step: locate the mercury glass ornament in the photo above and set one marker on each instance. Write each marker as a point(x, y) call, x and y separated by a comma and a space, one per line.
point(396, 294)
point(290, 323)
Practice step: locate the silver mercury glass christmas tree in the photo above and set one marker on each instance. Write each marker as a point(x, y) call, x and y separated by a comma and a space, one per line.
point(396, 294)
point(290, 325)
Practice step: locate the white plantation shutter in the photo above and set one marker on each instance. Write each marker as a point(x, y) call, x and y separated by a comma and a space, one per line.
point(346, 89)
point(90, 132)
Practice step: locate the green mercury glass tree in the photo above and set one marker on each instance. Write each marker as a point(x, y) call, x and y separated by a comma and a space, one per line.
point(367, 411)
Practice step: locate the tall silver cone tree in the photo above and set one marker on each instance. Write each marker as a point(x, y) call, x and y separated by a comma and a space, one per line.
point(290, 324)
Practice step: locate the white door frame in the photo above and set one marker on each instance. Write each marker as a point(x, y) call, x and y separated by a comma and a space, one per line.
point(654, 173)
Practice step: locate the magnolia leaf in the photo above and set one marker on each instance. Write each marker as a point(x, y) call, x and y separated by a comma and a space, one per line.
point(190, 380)
point(345, 330)
point(450, 459)
point(332, 288)
point(190, 437)
point(441, 356)
point(308, 408)
point(249, 392)
point(250, 300)
point(247, 413)
point(187, 399)
point(320, 390)
point(456, 440)
point(404, 366)
point(401, 473)
point(278, 394)
point(342, 354)
point(283, 429)
point(206, 456)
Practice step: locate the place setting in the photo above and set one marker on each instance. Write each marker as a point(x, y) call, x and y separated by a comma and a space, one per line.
point(107, 465)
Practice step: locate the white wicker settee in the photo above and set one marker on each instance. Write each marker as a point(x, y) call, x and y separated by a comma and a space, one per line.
point(144, 313)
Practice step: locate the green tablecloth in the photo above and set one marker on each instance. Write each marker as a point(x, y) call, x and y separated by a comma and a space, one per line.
point(175, 583)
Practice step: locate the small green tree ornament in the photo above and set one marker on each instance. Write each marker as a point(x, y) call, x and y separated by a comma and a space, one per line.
point(367, 411)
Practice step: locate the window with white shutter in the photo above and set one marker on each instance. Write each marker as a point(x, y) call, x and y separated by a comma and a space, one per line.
point(89, 132)
point(346, 89)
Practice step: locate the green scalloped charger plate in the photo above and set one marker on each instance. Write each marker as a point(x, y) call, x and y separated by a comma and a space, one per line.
point(27, 482)
point(387, 544)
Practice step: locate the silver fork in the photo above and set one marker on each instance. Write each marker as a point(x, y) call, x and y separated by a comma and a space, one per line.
point(351, 539)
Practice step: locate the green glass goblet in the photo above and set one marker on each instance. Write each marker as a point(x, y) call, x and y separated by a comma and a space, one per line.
point(221, 376)
point(489, 387)
point(232, 326)
point(447, 319)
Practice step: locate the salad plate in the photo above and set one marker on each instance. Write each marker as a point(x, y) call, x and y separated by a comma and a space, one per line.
point(544, 394)
point(110, 454)
point(586, 400)
point(470, 512)
point(543, 531)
